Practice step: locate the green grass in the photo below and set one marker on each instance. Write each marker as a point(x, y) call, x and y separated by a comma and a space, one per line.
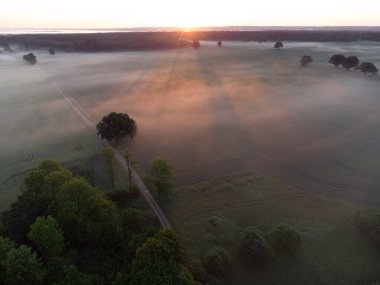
point(245, 106)
point(333, 250)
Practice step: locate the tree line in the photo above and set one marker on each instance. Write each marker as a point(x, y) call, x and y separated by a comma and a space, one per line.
point(62, 230)
point(167, 40)
point(348, 62)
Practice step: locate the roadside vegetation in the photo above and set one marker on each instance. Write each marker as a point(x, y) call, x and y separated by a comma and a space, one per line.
point(62, 230)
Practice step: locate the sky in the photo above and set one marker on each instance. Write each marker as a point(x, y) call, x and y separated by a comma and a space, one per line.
point(194, 13)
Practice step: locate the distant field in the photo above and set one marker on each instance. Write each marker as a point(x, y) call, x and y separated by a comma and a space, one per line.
point(244, 106)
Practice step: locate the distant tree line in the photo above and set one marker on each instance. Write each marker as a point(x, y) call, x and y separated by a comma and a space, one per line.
point(167, 40)
point(289, 35)
point(99, 41)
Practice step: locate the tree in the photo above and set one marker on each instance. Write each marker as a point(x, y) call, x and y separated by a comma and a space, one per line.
point(5, 246)
point(162, 175)
point(198, 271)
point(284, 238)
point(367, 67)
point(337, 59)
point(196, 44)
point(216, 261)
point(51, 51)
point(131, 163)
point(220, 43)
point(221, 228)
point(108, 156)
point(37, 199)
point(278, 45)
point(306, 59)
point(23, 267)
point(160, 261)
point(253, 246)
point(46, 234)
point(115, 126)
point(85, 215)
point(30, 57)
point(135, 220)
point(350, 62)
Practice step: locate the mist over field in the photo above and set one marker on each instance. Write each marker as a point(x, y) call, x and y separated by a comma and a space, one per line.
point(210, 111)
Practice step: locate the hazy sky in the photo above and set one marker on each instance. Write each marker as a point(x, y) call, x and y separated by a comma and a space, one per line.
point(165, 13)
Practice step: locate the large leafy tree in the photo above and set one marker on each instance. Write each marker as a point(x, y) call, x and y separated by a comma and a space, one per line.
point(367, 67)
point(216, 261)
point(350, 62)
point(337, 59)
point(30, 57)
point(278, 45)
point(160, 261)
point(37, 199)
point(51, 51)
point(5, 246)
point(23, 267)
point(46, 234)
point(306, 59)
point(253, 246)
point(115, 126)
point(162, 175)
point(85, 214)
point(284, 238)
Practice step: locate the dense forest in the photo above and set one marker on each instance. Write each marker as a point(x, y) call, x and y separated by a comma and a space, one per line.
point(167, 40)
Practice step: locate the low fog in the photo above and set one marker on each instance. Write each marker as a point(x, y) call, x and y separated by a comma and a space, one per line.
point(211, 111)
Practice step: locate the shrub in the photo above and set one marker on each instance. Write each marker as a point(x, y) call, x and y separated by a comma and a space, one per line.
point(253, 246)
point(198, 271)
point(30, 57)
point(337, 59)
point(216, 261)
point(278, 45)
point(284, 238)
point(306, 59)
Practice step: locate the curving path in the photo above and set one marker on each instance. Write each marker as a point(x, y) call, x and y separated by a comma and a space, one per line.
point(80, 112)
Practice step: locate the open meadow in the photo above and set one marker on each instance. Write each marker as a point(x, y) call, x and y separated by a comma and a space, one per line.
point(244, 106)
point(254, 139)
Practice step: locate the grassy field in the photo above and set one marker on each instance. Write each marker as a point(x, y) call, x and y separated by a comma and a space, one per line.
point(303, 142)
point(333, 250)
point(245, 106)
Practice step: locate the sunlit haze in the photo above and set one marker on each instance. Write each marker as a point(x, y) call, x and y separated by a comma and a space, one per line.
point(195, 13)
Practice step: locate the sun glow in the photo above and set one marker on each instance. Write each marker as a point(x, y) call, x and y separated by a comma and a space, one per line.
point(185, 14)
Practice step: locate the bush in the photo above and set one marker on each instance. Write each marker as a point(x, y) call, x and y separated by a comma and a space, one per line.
point(306, 59)
point(253, 246)
point(337, 59)
point(198, 271)
point(367, 67)
point(368, 225)
point(284, 238)
point(30, 57)
point(350, 62)
point(278, 45)
point(216, 261)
